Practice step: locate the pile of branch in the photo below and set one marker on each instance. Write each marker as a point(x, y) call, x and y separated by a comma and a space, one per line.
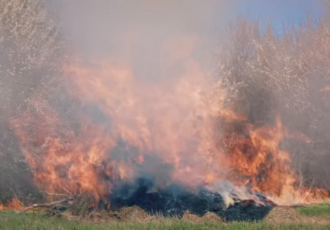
point(56, 204)
point(79, 205)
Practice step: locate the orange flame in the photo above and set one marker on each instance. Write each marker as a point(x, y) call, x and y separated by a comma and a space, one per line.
point(14, 204)
point(127, 127)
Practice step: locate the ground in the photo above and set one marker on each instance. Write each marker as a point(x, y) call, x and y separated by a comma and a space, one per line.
point(314, 217)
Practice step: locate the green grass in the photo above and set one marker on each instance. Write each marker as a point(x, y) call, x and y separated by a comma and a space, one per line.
point(317, 210)
point(11, 221)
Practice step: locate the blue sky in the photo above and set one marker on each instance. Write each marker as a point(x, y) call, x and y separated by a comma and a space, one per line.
point(279, 11)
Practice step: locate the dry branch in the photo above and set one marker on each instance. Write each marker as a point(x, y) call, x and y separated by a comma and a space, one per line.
point(46, 205)
point(287, 74)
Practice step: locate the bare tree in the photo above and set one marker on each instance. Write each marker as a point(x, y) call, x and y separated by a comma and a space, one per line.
point(30, 48)
point(288, 74)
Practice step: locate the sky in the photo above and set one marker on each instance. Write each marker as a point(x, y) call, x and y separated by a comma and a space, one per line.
point(278, 11)
point(144, 33)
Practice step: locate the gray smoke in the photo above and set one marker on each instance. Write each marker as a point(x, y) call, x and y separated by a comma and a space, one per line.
point(139, 32)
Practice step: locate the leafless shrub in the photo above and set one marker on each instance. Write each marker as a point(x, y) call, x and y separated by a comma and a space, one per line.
point(262, 71)
point(29, 51)
point(287, 74)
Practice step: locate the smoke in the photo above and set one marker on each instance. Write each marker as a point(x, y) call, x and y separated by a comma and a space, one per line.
point(154, 37)
point(159, 41)
point(273, 76)
point(29, 51)
point(134, 102)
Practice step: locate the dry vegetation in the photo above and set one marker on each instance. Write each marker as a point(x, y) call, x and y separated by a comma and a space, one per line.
point(29, 47)
point(266, 73)
point(286, 75)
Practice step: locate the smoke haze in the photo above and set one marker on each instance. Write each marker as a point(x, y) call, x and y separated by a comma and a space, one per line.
point(154, 37)
point(133, 98)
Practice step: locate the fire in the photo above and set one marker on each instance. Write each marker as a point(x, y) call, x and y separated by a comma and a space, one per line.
point(258, 162)
point(178, 131)
point(14, 204)
point(147, 129)
point(259, 158)
point(325, 89)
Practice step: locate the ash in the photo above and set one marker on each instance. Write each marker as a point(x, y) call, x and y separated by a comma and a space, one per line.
point(175, 200)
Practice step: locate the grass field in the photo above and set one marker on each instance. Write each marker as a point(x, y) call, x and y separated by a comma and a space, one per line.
point(11, 221)
point(320, 210)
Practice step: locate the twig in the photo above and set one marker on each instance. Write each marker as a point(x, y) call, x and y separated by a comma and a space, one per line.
point(57, 194)
point(46, 205)
point(67, 190)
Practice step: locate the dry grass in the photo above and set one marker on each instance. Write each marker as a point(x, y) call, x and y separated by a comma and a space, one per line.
point(189, 217)
point(135, 214)
point(283, 215)
point(209, 217)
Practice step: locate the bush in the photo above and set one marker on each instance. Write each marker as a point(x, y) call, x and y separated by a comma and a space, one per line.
point(289, 75)
point(30, 47)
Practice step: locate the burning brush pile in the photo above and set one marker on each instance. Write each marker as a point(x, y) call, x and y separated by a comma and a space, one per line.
point(104, 140)
point(165, 150)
